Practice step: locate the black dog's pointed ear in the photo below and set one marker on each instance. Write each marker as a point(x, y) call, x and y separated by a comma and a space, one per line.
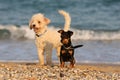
point(70, 32)
point(61, 31)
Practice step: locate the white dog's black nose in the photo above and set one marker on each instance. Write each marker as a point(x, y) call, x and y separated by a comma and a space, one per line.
point(33, 25)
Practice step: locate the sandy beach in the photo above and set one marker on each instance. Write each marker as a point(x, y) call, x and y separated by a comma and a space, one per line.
point(33, 71)
point(95, 23)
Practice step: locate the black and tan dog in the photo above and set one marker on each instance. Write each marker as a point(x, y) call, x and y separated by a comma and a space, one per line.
point(67, 49)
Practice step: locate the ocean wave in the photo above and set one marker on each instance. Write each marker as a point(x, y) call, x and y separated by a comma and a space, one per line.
point(15, 33)
point(23, 32)
point(96, 35)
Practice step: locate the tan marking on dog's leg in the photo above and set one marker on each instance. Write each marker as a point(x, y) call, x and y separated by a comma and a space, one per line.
point(71, 52)
point(71, 65)
point(63, 51)
point(62, 64)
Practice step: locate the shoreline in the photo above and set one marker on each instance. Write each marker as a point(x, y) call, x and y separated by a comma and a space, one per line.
point(33, 71)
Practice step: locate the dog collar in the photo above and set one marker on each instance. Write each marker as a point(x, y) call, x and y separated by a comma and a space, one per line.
point(70, 47)
point(39, 35)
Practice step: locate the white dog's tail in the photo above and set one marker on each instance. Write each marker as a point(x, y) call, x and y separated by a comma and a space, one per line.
point(67, 19)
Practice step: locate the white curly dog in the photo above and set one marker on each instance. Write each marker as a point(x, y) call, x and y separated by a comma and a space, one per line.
point(45, 38)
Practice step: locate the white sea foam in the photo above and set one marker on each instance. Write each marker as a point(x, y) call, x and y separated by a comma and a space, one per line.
point(96, 35)
point(25, 32)
point(18, 32)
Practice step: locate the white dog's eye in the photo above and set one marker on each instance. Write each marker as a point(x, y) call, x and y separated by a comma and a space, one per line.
point(39, 22)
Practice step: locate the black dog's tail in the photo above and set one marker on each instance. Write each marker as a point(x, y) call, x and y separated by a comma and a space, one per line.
point(77, 46)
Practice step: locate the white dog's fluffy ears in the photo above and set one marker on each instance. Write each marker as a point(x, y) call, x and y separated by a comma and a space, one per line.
point(47, 20)
point(39, 17)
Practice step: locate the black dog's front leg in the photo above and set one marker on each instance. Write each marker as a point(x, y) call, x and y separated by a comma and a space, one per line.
point(72, 62)
point(62, 63)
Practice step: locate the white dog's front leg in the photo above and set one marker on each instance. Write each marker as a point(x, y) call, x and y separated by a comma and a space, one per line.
point(41, 56)
point(58, 52)
point(49, 57)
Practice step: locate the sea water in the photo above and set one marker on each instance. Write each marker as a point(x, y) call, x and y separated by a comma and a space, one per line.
point(95, 23)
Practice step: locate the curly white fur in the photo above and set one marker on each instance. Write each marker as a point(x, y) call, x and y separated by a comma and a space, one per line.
point(46, 39)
